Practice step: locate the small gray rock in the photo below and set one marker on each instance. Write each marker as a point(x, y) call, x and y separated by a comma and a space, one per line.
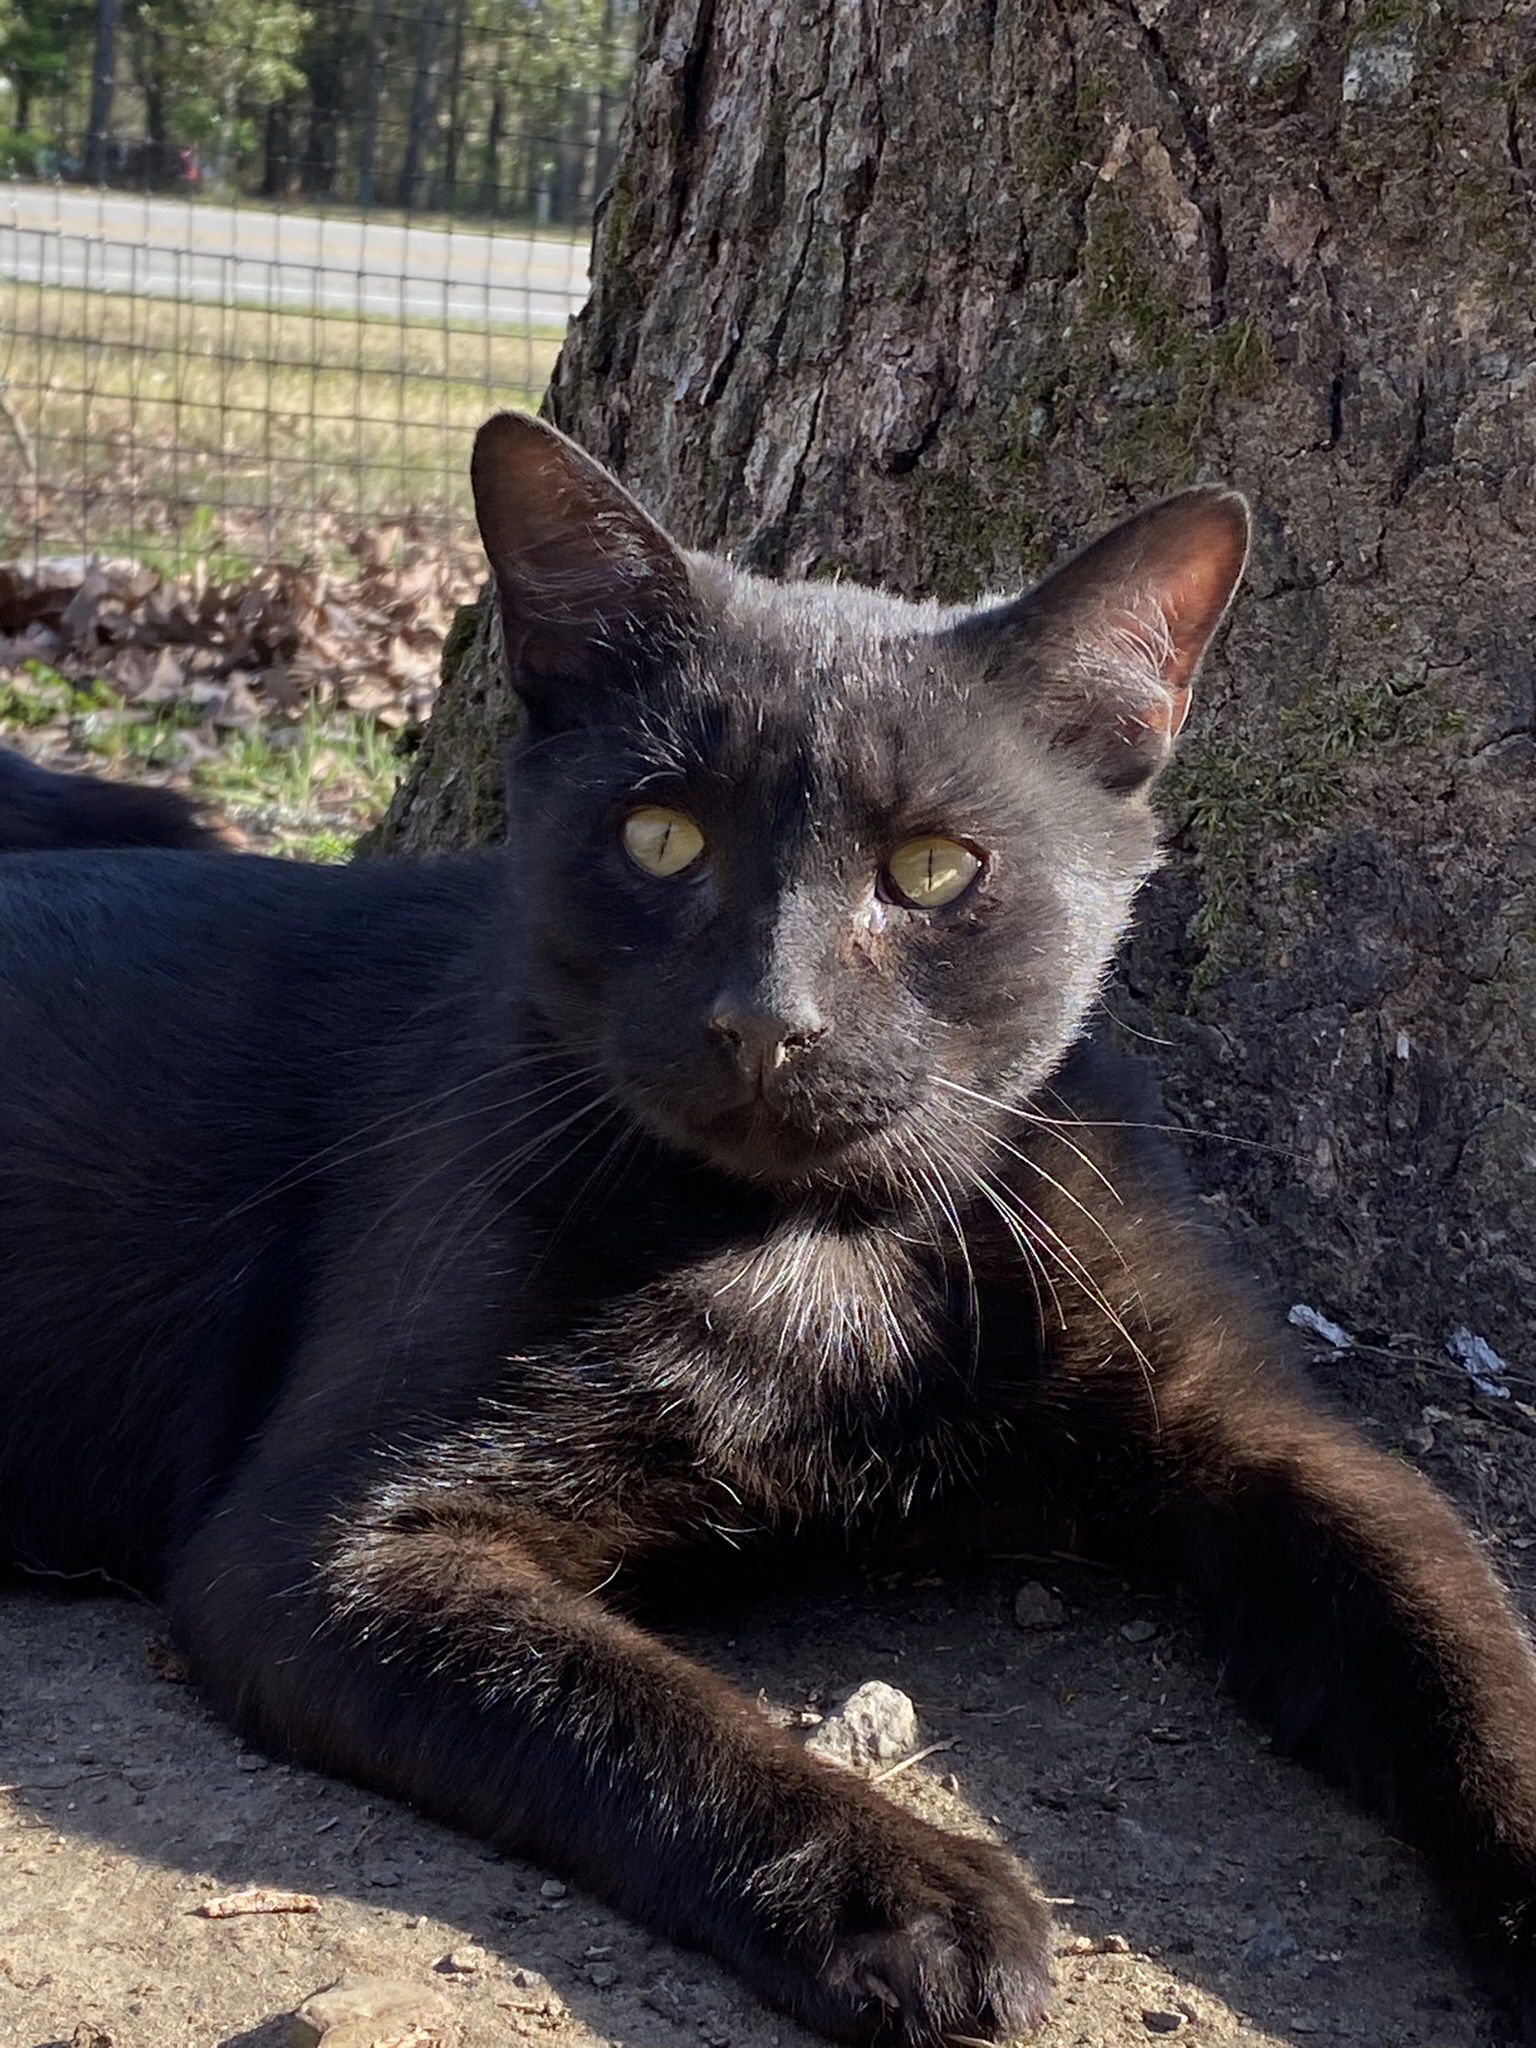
point(667, 1997)
point(602, 1975)
point(1162, 2022)
point(1036, 1607)
point(875, 1725)
point(552, 1888)
point(1274, 1943)
point(536, 1992)
point(1139, 1631)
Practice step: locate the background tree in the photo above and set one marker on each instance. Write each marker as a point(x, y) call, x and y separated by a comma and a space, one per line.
point(41, 42)
point(464, 106)
point(460, 105)
point(925, 293)
point(201, 69)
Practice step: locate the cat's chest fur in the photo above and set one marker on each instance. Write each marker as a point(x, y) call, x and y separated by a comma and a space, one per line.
point(778, 1380)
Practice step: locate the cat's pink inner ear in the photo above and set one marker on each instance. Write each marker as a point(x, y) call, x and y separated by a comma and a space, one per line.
point(1104, 652)
point(580, 569)
point(1183, 562)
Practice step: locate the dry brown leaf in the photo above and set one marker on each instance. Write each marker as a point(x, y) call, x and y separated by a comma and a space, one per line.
point(263, 646)
point(78, 617)
point(165, 679)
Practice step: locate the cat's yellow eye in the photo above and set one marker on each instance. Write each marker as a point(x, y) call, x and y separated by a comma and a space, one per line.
point(662, 841)
point(930, 872)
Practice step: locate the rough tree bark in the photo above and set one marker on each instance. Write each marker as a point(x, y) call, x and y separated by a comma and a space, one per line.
point(924, 291)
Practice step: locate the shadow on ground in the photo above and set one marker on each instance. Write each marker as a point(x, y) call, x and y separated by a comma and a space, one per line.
point(1210, 1892)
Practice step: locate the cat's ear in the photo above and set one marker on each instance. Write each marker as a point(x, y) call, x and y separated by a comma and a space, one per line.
point(1104, 652)
point(592, 592)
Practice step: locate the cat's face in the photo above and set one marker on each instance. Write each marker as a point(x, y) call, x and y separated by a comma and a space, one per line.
point(814, 879)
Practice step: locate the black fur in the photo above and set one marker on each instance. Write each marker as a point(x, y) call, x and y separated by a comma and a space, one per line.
point(407, 1267)
point(42, 811)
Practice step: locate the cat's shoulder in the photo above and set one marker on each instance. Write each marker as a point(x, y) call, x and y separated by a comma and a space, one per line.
point(176, 934)
point(1100, 1079)
point(107, 888)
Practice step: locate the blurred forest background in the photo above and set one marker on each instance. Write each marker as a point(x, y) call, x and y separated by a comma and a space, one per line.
point(472, 108)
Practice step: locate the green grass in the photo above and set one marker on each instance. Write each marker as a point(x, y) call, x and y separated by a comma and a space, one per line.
point(275, 430)
point(304, 788)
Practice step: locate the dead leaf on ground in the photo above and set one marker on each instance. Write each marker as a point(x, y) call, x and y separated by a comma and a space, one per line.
point(279, 638)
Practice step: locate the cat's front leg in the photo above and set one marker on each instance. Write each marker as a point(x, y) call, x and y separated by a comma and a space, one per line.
point(1353, 1612)
point(446, 1653)
point(1356, 1617)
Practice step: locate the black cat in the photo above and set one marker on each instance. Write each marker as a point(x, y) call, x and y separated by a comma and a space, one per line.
point(405, 1265)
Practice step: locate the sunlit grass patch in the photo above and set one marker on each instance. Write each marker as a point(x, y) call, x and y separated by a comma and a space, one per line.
point(181, 425)
point(304, 787)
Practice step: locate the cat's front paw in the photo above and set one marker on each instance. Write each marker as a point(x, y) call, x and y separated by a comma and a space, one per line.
point(935, 1936)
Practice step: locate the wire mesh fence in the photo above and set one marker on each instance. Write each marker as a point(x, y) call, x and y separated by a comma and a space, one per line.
point(260, 279)
point(263, 269)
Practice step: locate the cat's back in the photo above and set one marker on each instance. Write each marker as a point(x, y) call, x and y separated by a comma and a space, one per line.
point(76, 926)
point(189, 1045)
point(196, 1017)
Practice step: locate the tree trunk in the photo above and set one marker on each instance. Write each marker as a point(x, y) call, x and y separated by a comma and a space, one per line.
point(103, 74)
point(317, 168)
point(926, 293)
point(451, 133)
point(368, 146)
point(490, 176)
point(277, 150)
point(423, 104)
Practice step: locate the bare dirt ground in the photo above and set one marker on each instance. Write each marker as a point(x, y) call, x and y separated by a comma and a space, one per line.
point(1209, 1891)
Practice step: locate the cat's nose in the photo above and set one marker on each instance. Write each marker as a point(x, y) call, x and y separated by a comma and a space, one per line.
point(763, 1039)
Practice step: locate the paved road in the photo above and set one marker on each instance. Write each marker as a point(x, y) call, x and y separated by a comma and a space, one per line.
point(170, 248)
